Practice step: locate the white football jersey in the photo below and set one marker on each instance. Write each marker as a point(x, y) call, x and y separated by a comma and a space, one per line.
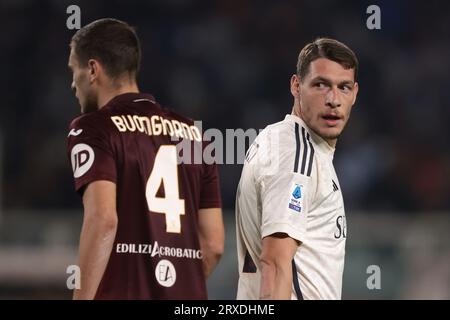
point(289, 185)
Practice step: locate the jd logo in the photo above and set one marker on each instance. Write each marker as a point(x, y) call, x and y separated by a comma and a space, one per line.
point(82, 158)
point(165, 273)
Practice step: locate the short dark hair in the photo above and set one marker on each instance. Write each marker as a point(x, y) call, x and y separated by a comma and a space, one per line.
point(113, 42)
point(326, 48)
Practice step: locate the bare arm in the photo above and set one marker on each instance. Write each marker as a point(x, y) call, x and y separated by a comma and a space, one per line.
point(211, 237)
point(278, 250)
point(97, 236)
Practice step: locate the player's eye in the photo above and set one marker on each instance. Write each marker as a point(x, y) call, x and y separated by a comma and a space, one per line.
point(346, 88)
point(320, 85)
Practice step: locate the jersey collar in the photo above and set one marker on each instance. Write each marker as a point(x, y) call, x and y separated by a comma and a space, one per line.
point(131, 96)
point(319, 142)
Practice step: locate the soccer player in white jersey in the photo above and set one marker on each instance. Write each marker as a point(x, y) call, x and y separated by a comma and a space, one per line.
point(290, 218)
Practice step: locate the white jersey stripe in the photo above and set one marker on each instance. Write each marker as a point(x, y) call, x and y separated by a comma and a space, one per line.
point(311, 156)
point(297, 148)
point(305, 151)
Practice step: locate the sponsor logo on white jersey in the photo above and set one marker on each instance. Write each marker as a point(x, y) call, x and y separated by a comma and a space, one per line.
point(295, 202)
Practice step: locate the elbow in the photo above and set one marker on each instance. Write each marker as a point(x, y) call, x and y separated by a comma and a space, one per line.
point(276, 279)
point(275, 264)
point(267, 264)
point(217, 249)
point(109, 222)
point(214, 248)
point(105, 221)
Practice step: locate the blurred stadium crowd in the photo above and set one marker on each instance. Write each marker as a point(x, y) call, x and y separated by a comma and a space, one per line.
point(228, 63)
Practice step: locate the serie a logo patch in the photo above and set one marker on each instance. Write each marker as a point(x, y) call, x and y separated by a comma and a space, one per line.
point(295, 201)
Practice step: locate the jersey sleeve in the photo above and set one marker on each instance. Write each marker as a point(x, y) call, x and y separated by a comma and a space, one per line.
point(90, 153)
point(285, 194)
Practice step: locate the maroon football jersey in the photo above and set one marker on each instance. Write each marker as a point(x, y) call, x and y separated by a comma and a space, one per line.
point(134, 142)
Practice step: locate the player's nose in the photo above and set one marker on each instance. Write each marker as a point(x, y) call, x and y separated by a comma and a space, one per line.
point(332, 98)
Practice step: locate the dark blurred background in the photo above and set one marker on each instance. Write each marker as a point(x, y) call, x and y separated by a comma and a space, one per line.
point(229, 63)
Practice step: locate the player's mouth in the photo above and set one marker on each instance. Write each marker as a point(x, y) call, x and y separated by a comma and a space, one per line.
point(331, 119)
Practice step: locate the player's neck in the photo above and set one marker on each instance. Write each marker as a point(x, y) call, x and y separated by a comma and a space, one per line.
point(109, 93)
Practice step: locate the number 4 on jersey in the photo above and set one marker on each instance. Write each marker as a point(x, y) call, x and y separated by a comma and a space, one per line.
point(165, 171)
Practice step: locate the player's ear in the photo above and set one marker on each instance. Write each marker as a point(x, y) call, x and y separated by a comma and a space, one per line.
point(355, 92)
point(295, 86)
point(93, 67)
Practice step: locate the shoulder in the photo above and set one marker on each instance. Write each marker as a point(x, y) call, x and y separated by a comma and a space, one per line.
point(94, 122)
point(276, 134)
point(89, 132)
point(176, 116)
point(288, 147)
point(170, 113)
point(281, 139)
point(275, 148)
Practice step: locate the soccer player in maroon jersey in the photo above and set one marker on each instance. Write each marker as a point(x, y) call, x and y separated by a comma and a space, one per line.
point(152, 226)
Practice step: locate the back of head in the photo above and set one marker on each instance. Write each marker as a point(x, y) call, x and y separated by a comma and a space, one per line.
point(113, 43)
point(326, 48)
